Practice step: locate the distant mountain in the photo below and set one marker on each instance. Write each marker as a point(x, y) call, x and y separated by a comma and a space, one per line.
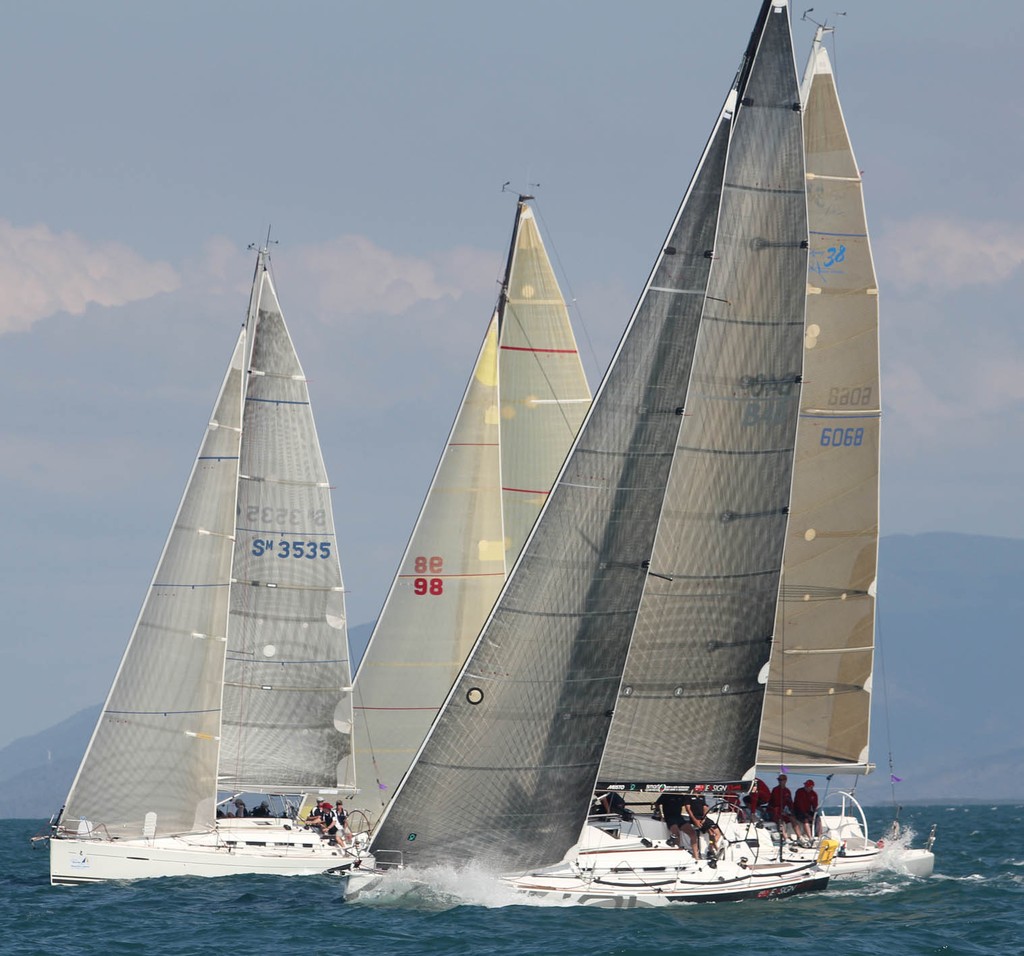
point(947, 677)
point(36, 772)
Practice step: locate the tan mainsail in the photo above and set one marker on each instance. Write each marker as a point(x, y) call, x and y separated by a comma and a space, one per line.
point(521, 410)
point(816, 717)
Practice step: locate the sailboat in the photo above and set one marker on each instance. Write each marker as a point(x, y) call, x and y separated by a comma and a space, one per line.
point(236, 677)
point(664, 531)
point(523, 406)
point(817, 706)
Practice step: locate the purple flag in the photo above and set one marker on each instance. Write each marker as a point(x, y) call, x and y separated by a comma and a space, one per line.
point(895, 779)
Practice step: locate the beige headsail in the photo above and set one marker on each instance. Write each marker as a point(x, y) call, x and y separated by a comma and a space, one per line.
point(520, 413)
point(819, 687)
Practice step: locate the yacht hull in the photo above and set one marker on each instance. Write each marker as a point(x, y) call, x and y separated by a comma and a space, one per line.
point(269, 847)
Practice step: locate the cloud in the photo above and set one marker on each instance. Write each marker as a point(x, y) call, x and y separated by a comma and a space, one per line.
point(345, 280)
point(43, 273)
point(353, 276)
point(949, 254)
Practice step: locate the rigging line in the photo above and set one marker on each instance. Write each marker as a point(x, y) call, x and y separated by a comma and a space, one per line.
point(362, 710)
point(885, 701)
point(568, 285)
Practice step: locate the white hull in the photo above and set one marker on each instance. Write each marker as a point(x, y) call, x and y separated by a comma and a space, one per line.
point(658, 876)
point(858, 855)
point(270, 846)
point(628, 864)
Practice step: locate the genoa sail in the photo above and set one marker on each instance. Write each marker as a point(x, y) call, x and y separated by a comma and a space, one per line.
point(155, 746)
point(816, 717)
point(507, 773)
point(520, 412)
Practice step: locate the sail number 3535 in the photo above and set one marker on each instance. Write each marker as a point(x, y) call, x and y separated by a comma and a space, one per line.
point(291, 549)
point(428, 586)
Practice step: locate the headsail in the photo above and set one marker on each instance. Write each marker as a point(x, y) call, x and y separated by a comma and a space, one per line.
point(819, 690)
point(287, 720)
point(507, 772)
point(690, 703)
point(521, 410)
point(155, 747)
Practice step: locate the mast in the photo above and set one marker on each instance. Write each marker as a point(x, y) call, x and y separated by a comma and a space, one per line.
point(817, 709)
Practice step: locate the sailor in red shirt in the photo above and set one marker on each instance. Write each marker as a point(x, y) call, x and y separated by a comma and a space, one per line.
point(758, 797)
point(805, 806)
point(780, 803)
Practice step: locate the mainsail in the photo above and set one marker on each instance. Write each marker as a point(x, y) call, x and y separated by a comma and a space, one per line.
point(250, 573)
point(507, 772)
point(690, 703)
point(521, 410)
point(287, 719)
point(819, 689)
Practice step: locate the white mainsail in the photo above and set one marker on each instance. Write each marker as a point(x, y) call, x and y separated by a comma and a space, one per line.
point(236, 676)
point(287, 718)
point(816, 716)
point(521, 410)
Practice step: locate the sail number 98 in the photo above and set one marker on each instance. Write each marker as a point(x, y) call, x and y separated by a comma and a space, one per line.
point(842, 437)
point(424, 586)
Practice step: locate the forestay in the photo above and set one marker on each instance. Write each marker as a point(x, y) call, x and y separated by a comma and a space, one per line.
point(818, 702)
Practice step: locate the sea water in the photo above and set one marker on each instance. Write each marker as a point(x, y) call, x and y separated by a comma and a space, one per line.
point(973, 904)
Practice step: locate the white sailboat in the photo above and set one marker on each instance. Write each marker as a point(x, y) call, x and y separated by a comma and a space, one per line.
point(664, 531)
point(236, 677)
point(520, 412)
point(816, 719)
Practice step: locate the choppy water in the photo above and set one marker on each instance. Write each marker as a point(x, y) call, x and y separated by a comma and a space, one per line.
point(973, 904)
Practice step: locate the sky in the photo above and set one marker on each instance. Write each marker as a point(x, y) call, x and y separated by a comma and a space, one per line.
point(147, 145)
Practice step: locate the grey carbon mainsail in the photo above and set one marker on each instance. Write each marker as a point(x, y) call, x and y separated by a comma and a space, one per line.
point(690, 704)
point(507, 772)
point(816, 717)
point(521, 411)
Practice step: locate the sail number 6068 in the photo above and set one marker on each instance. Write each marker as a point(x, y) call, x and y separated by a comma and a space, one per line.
point(842, 437)
point(424, 586)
